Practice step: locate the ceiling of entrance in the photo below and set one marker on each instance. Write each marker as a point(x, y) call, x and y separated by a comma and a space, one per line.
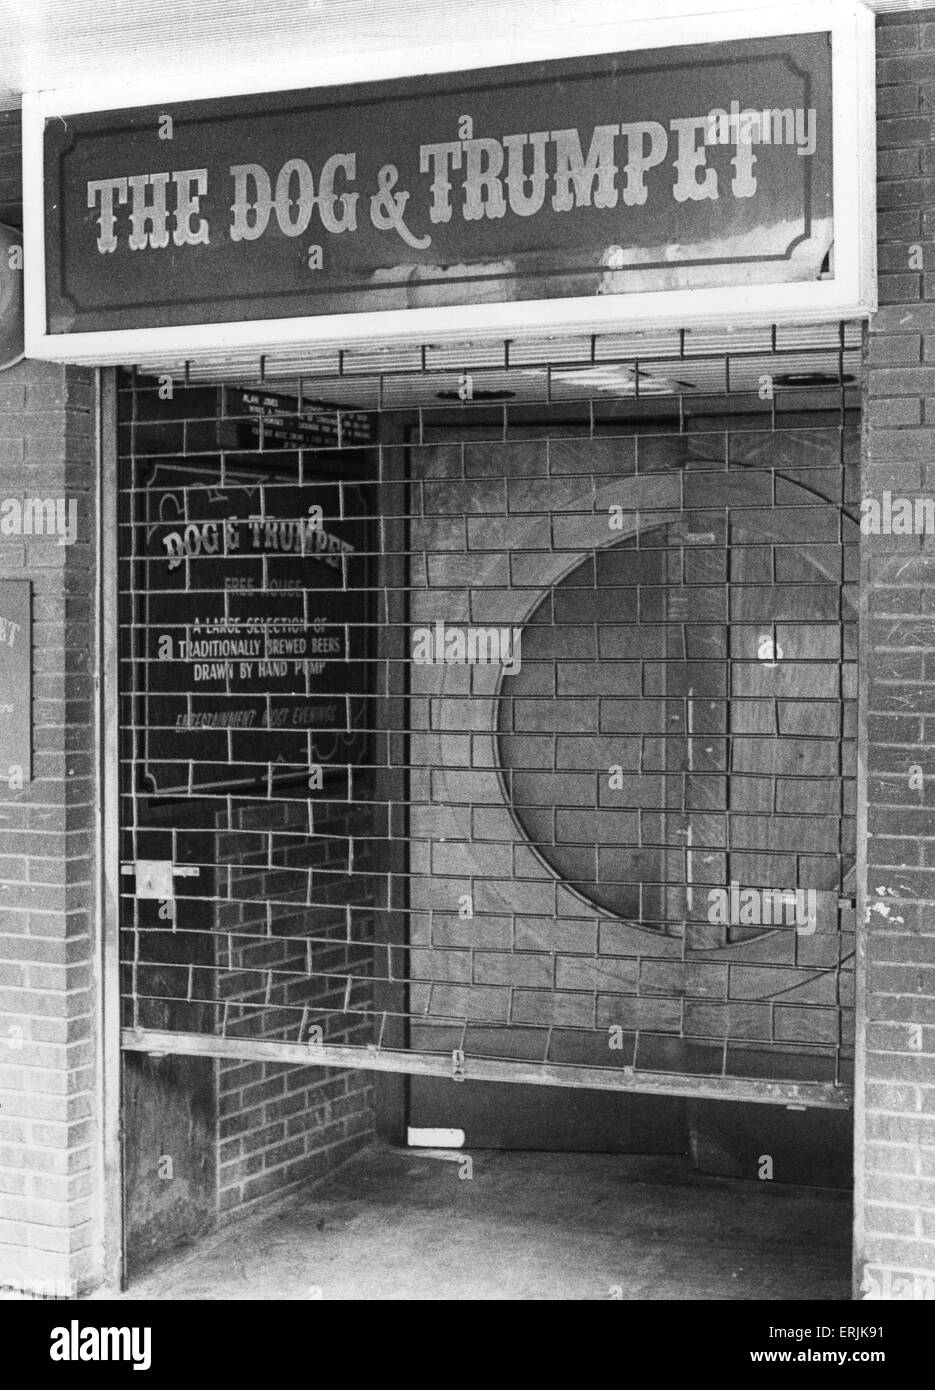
point(58, 43)
point(744, 368)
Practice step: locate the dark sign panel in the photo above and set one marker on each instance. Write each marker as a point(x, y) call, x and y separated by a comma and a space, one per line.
point(275, 422)
point(670, 169)
point(15, 682)
point(255, 618)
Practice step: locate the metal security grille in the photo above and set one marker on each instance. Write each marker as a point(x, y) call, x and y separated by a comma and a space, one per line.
point(491, 710)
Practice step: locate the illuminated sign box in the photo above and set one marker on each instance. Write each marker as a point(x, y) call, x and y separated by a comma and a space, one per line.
point(681, 182)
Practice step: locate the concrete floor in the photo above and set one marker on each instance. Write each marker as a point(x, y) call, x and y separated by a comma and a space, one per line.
point(402, 1224)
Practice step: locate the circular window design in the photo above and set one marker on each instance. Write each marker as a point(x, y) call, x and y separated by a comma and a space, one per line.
point(680, 722)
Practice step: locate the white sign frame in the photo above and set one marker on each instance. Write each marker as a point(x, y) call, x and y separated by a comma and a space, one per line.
point(850, 294)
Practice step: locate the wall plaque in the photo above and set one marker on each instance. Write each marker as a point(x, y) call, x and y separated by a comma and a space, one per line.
point(15, 681)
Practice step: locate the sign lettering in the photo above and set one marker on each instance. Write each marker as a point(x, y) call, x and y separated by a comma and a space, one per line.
point(670, 169)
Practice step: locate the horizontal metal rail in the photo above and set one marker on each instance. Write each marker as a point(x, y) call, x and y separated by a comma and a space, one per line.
point(799, 1095)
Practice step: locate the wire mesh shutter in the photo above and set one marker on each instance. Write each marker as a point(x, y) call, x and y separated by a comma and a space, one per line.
point(492, 710)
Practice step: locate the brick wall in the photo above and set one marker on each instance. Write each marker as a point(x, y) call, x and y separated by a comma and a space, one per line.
point(49, 1228)
point(281, 1125)
point(895, 1199)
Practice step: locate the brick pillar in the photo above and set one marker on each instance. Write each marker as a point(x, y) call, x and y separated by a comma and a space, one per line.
point(49, 1190)
point(895, 1152)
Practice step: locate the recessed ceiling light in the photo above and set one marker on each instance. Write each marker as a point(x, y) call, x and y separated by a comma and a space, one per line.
point(479, 394)
point(812, 379)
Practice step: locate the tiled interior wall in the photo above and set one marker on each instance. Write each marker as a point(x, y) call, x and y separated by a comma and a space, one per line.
point(535, 965)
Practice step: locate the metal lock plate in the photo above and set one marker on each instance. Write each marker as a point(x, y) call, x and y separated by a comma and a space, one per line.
point(154, 878)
